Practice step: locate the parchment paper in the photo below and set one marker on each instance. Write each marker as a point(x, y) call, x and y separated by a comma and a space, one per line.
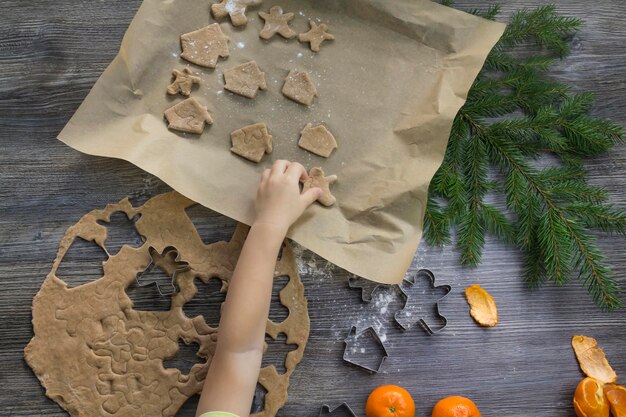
point(389, 87)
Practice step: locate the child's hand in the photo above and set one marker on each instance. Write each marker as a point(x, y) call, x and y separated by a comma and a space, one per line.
point(278, 200)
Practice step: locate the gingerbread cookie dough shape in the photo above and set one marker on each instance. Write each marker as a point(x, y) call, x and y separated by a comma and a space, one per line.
point(317, 178)
point(188, 116)
point(97, 356)
point(318, 140)
point(299, 87)
point(236, 9)
point(183, 82)
point(316, 35)
point(204, 46)
point(245, 79)
point(251, 142)
point(276, 22)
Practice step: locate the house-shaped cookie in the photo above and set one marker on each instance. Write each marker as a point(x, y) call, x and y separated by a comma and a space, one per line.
point(318, 140)
point(245, 79)
point(188, 116)
point(299, 87)
point(204, 46)
point(251, 142)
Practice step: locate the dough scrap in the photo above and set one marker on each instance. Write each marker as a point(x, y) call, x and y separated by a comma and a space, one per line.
point(245, 79)
point(316, 35)
point(183, 82)
point(482, 306)
point(299, 87)
point(236, 9)
point(188, 116)
point(251, 142)
point(318, 140)
point(276, 22)
point(98, 356)
point(317, 178)
point(592, 360)
point(204, 46)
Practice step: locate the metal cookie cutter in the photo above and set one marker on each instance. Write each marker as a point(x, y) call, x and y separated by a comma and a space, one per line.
point(367, 287)
point(169, 262)
point(342, 410)
point(352, 336)
point(404, 317)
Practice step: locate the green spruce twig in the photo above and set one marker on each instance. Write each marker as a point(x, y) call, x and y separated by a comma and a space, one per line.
point(554, 209)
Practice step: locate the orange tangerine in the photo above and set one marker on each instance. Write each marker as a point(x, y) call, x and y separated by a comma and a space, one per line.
point(589, 399)
point(455, 407)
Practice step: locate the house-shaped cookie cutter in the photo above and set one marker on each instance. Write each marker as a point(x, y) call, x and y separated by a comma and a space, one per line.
point(342, 410)
point(371, 331)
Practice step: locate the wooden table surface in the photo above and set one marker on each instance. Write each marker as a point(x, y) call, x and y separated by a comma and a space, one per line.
point(51, 53)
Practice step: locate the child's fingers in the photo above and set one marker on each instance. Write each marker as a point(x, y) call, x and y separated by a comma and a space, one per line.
point(265, 175)
point(310, 195)
point(296, 172)
point(279, 167)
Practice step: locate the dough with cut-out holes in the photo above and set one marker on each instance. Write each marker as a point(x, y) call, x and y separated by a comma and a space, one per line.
point(98, 356)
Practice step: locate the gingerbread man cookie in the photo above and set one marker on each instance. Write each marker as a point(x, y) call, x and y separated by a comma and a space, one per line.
point(188, 116)
point(204, 46)
point(236, 9)
point(299, 87)
point(183, 82)
point(316, 35)
point(245, 79)
point(276, 22)
point(317, 178)
point(318, 140)
point(251, 142)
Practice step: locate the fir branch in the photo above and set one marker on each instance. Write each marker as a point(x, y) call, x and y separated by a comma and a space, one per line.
point(543, 25)
point(436, 224)
point(496, 223)
point(513, 115)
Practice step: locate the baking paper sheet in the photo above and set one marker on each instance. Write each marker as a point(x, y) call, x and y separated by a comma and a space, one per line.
point(389, 87)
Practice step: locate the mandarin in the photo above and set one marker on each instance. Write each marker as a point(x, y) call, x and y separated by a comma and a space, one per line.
point(616, 395)
point(390, 401)
point(589, 399)
point(455, 407)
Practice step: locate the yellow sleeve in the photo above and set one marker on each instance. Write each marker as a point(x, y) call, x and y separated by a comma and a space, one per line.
point(218, 414)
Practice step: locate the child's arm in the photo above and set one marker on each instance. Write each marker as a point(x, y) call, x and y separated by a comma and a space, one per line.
point(234, 369)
